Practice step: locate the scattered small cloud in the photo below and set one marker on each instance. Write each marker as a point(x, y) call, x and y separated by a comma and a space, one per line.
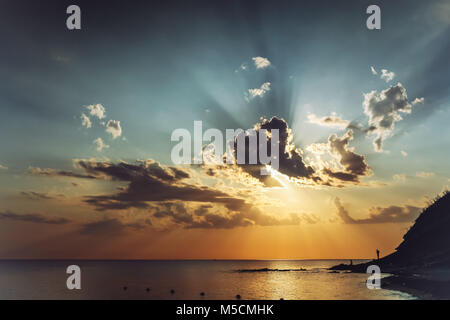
point(113, 127)
point(257, 92)
point(242, 67)
point(261, 62)
point(328, 121)
point(97, 110)
point(418, 101)
point(258, 62)
point(399, 176)
point(3, 167)
point(99, 144)
point(387, 75)
point(85, 121)
point(423, 174)
point(404, 153)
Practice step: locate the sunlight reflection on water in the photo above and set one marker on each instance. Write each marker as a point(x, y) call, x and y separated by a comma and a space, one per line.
point(218, 279)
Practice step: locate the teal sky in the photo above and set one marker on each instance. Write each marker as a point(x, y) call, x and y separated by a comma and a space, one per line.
point(157, 70)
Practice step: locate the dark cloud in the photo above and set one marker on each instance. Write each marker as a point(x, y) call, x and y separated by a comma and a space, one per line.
point(291, 160)
point(204, 217)
point(354, 165)
point(340, 175)
point(151, 182)
point(147, 189)
point(35, 195)
point(57, 173)
point(404, 213)
point(120, 172)
point(290, 157)
point(291, 163)
point(32, 195)
point(129, 172)
point(148, 182)
point(342, 212)
point(32, 217)
point(391, 214)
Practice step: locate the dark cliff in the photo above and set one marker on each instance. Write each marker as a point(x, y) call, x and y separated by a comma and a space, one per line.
point(425, 248)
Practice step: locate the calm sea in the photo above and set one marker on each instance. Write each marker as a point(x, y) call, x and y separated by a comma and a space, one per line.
point(156, 279)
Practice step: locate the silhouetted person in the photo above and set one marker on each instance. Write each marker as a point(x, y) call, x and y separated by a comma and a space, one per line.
point(378, 254)
point(351, 262)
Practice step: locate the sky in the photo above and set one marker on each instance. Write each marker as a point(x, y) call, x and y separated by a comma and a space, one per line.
point(87, 117)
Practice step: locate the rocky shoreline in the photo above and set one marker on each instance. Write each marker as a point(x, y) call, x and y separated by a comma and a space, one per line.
point(421, 288)
point(422, 284)
point(421, 263)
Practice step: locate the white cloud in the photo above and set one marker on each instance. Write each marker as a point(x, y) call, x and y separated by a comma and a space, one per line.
point(257, 92)
point(261, 62)
point(243, 66)
point(424, 174)
point(418, 100)
point(99, 144)
point(113, 127)
point(399, 176)
point(373, 70)
point(318, 148)
point(387, 75)
point(97, 110)
point(329, 121)
point(85, 121)
point(383, 109)
point(404, 153)
point(3, 167)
